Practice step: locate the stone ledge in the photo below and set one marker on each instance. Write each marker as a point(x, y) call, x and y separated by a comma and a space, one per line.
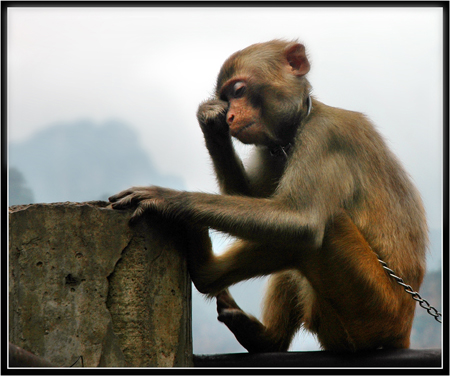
point(82, 282)
point(407, 358)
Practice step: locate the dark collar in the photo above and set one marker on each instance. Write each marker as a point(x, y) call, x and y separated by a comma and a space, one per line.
point(282, 151)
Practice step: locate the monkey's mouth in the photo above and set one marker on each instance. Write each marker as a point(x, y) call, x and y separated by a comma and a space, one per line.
point(236, 132)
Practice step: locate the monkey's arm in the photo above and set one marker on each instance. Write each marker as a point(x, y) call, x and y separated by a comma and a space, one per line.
point(253, 219)
point(298, 212)
point(228, 167)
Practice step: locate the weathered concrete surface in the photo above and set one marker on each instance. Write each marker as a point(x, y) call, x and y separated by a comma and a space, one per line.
point(82, 282)
point(150, 298)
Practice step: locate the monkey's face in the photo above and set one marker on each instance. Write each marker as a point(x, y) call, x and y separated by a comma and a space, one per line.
point(265, 91)
point(244, 114)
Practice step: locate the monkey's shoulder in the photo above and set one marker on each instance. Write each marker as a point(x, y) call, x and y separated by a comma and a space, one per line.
point(338, 116)
point(333, 125)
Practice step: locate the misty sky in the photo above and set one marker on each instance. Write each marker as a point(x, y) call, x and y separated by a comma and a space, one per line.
point(150, 67)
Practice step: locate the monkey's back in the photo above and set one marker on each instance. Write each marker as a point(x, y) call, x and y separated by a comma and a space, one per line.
point(380, 196)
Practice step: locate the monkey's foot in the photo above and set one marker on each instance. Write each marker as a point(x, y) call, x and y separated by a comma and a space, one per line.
point(250, 333)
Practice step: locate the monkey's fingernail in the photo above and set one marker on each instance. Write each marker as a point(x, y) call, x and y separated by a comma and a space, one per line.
point(119, 205)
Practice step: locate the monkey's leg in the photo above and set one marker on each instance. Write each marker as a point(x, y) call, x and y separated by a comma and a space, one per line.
point(249, 332)
point(243, 260)
point(211, 274)
point(357, 305)
point(281, 316)
point(282, 309)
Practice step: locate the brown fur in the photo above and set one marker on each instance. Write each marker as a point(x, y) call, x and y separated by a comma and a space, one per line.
point(314, 220)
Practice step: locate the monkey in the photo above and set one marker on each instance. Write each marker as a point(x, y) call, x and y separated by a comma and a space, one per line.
point(320, 200)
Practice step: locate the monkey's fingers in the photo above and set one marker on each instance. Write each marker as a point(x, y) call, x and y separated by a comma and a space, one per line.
point(119, 196)
point(212, 117)
point(144, 207)
point(225, 301)
point(250, 333)
point(245, 327)
point(131, 201)
point(126, 202)
point(211, 109)
point(229, 316)
point(124, 193)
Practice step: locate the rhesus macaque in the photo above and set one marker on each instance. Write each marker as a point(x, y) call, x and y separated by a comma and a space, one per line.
point(321, 198)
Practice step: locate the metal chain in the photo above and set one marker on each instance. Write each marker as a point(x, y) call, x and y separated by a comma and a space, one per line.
point(415, 295)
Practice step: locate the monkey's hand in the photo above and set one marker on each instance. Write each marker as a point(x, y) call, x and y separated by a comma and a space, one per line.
point(211, 116)
point(144, 200)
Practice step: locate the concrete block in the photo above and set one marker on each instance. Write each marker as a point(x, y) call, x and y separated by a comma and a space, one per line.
point(82, 282)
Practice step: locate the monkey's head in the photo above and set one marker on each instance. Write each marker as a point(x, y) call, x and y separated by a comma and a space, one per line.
point(266, 89)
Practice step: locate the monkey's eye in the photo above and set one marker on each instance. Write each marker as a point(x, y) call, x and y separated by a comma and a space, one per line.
point(239, 89)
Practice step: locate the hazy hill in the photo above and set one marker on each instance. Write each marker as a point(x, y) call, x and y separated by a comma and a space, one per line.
point(19, 192)
point(82, 161)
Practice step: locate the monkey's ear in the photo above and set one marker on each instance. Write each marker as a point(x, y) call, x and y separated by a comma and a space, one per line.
point(297, 60)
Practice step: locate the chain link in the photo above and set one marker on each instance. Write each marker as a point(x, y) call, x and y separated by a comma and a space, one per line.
point(415, 295)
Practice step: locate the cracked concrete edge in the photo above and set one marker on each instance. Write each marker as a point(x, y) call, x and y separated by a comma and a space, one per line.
point(150, 315)
point(60, 257)
point(109, 350)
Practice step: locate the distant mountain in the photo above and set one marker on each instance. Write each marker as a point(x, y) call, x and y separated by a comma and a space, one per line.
point(82, 161)
point(19, 192)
